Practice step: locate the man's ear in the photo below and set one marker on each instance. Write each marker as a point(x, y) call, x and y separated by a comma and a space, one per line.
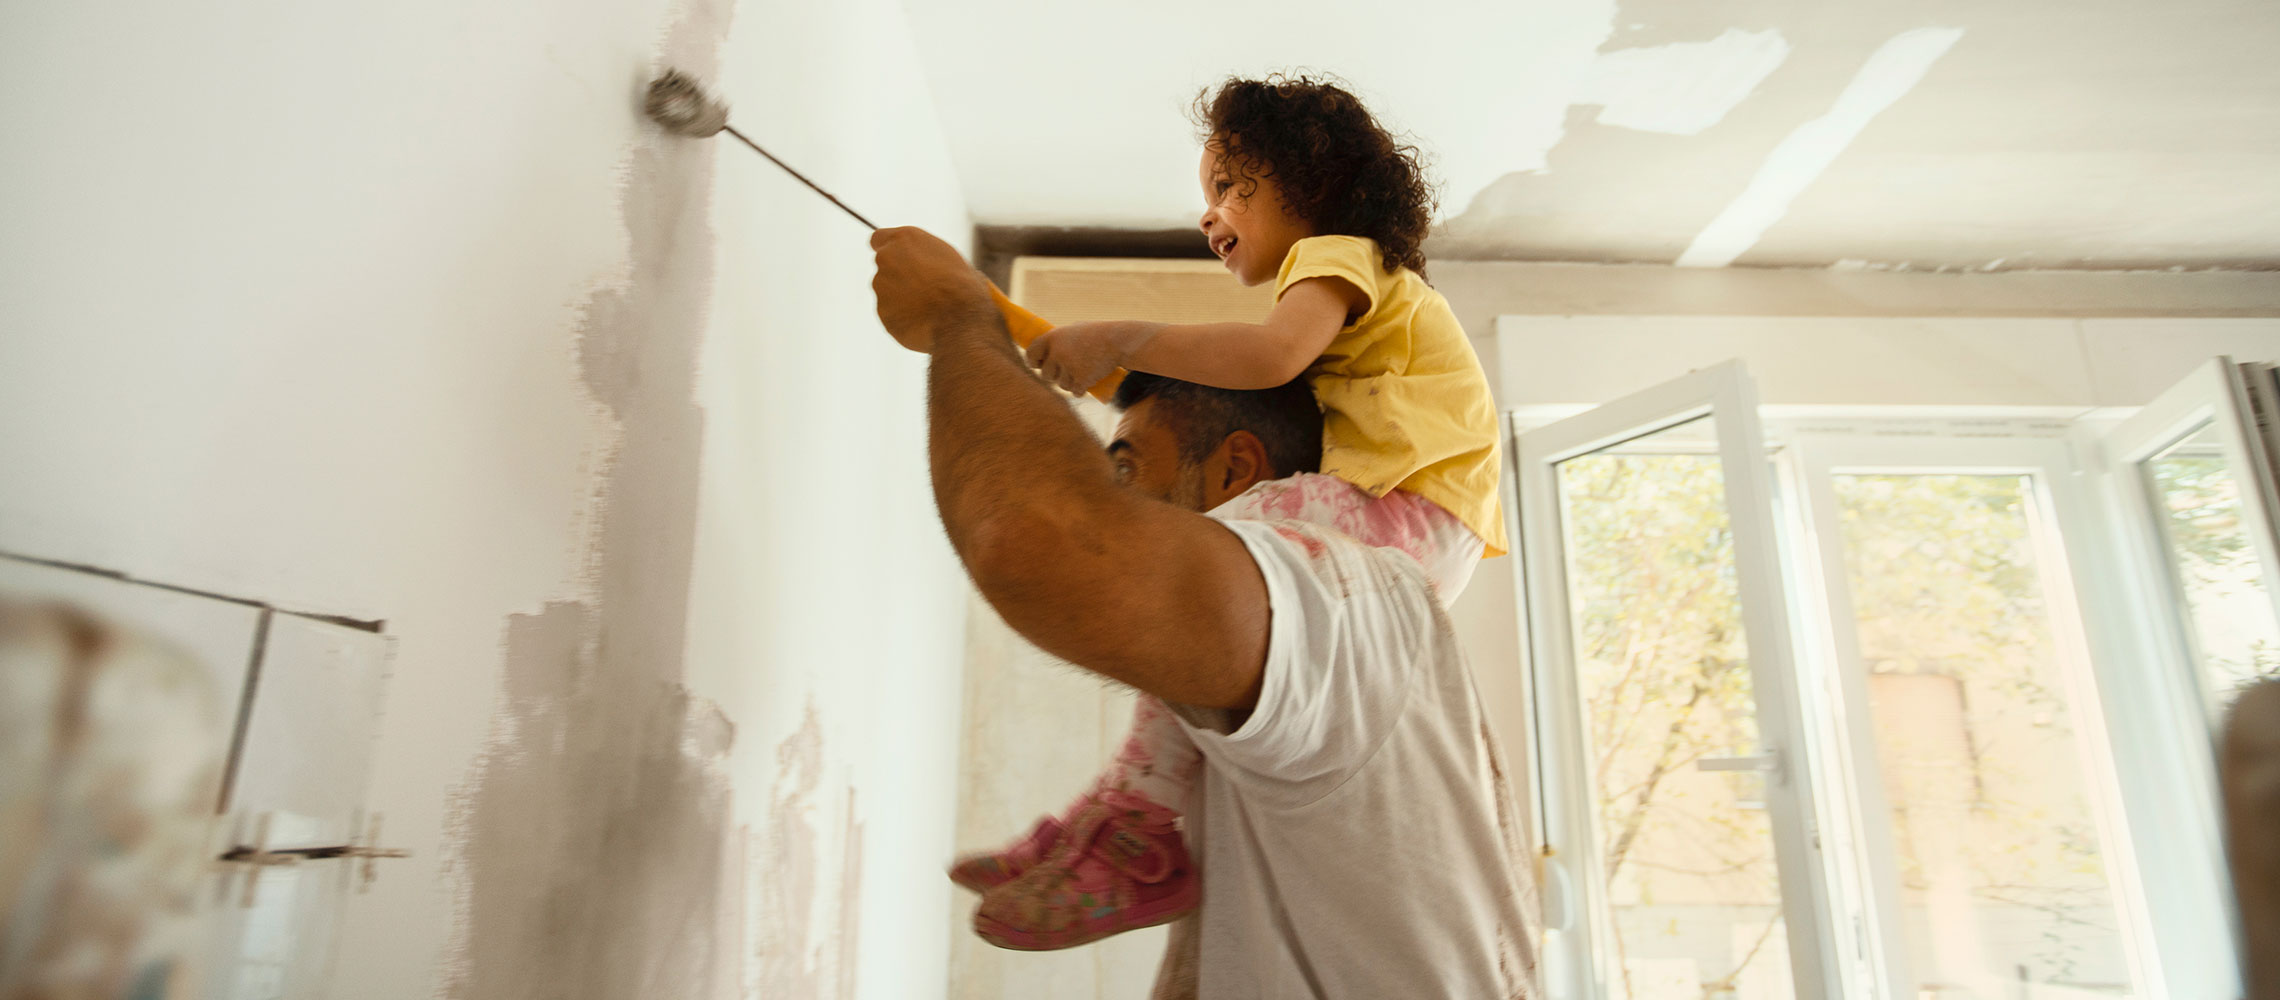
point(1244, 465)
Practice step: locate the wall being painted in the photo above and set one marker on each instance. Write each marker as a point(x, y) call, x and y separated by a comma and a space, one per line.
point(399, 311)
point(825, 602)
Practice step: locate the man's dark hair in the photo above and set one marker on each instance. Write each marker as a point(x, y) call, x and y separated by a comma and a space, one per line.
point(1285, 419)
point(1339, 169)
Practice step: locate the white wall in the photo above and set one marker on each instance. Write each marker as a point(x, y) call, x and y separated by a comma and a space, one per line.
point(2056, 367)
point(823, 582)
point(398, 311)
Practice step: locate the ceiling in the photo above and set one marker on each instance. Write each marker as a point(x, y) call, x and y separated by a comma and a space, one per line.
point(1940, 134)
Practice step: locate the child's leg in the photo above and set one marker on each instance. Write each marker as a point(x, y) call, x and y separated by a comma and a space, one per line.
point(1157, 761)
point(1119, 860)
point(1157, 764)
point(1448, 551)
point(1122, 864)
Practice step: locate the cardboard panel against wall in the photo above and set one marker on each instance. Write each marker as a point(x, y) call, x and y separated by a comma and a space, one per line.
point(307, 755)
point(1075, 289)
point(218, 634)
point(1798, 360)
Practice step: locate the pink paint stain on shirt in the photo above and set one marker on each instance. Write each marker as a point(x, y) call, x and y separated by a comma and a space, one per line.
point(1405, 522)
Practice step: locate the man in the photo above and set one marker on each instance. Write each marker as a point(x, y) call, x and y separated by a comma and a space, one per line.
point(1350, 821)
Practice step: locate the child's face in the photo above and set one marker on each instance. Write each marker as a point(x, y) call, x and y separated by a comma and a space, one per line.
point(1250, 234)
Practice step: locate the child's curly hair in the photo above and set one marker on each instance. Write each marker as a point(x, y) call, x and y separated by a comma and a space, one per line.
point(1338, 168)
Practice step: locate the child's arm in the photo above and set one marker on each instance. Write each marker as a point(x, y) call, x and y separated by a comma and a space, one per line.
point(1228, 355)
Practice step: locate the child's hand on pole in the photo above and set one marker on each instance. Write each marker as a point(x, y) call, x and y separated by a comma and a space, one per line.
point(1077, 356)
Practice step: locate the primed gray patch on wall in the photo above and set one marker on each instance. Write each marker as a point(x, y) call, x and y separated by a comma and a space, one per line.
point(593, 839)
point(793, 960)
point(594, 831)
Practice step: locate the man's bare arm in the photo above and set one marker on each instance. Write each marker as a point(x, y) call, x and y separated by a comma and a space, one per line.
point(1163, 599)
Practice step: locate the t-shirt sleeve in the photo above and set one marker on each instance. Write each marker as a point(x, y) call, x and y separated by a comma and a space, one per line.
point(1342, 650)
point(1349, 257)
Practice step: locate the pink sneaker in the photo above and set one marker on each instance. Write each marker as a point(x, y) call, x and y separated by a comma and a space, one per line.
point(1122, 866)
point(986, 870)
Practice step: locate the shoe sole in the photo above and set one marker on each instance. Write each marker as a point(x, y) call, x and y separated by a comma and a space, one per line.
point(999, 933)
point(977, 885)
point(972, 881)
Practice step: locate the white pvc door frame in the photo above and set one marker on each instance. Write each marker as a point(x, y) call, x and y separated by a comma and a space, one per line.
point(2194, 921)
point(2214, 395)
point(2059, 501)
point(1725, 393)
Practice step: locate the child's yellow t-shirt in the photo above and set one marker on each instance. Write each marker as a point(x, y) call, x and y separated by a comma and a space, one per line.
point(1405, 404)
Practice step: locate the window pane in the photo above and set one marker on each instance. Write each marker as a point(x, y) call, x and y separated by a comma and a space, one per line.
point(2002, 874)
point(1665, 680)
point(2197, 499)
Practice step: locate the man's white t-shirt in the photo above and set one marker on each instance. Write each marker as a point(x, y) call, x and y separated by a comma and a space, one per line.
point(1349, 828)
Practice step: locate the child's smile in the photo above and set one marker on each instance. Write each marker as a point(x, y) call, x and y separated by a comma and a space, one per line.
point(1245, 221)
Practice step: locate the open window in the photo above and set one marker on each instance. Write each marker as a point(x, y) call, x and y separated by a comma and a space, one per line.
point(1890, 706)
point(1981, 821)
point(2195, 488)
point(1679, 812)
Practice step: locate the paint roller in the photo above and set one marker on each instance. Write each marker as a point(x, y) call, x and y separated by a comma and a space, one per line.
point(679, 104)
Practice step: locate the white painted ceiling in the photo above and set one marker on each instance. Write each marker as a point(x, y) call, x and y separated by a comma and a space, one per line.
point(1950, 134)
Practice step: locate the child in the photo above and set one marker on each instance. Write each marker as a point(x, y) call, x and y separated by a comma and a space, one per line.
point(1302, 187)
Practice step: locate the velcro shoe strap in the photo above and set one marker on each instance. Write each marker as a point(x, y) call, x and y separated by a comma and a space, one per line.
point(1135, 854)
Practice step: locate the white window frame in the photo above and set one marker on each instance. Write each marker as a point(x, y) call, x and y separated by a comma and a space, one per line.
point(1578, 911)
point(2060, 502)
point(2112, 617)
point(2160, 719)
point(2215, 395)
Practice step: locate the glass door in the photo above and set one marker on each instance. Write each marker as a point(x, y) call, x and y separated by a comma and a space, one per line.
point(2197, 490)
point(2189, 486)
point(1977, 764)
point(1683, 858)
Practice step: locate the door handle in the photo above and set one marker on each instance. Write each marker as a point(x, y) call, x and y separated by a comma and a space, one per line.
point(1768, 762)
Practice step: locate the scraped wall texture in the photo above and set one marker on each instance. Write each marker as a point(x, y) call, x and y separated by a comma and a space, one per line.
point(414, 319)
